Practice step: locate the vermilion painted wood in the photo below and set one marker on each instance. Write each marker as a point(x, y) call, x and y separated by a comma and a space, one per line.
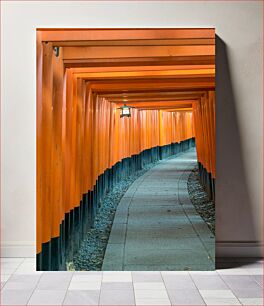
point(44, 146)
point(141, 61)
point(137, 42)
point(124, 34)
point(119, 52)
point(162, 74)
point(169, 75)
point(139, 68)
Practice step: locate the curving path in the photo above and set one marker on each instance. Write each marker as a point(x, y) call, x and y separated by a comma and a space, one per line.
point(156, 227)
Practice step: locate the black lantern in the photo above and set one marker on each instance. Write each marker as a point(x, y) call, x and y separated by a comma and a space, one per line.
point(125, 111)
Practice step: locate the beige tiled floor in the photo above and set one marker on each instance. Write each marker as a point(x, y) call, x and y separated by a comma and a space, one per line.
point(22, 285)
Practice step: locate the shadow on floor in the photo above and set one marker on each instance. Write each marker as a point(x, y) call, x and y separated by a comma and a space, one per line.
point(229, 263)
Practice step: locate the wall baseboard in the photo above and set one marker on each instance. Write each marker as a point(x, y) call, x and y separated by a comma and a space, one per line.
point(239, 249)
point(18, 249)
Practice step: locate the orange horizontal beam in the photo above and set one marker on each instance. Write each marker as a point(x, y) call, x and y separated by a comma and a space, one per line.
point(123, 34)
point(139, 68)
point(140, 61)
point(137, 42)
point(167, 109)
point(138, 100)
point(156, 104)
point(148, 74)
point(153, 95)
point(189, 84)
point(187, 109)
point(136, 51)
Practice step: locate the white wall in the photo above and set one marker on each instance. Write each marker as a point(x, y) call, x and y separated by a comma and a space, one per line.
point(239, 106)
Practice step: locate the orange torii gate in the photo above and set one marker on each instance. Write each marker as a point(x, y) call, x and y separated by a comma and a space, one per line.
point(83, 146)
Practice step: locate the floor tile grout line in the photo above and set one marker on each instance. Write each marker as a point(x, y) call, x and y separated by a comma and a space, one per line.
point(230, 287)
point(165, 287)
point(35, 287)
point(117, 289)
point(72, 273)
point(20, 264)
point(239, 299)
point(5, 282)
point(197, 288)
point(261, 286)
point(23, 259)
point(133, 286)
point(99, 298)
point(153, 289)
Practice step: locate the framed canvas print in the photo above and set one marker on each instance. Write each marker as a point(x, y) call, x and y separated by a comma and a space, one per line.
point(126, 149)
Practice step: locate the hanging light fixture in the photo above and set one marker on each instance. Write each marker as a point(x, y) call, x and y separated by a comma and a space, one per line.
point(125, 111)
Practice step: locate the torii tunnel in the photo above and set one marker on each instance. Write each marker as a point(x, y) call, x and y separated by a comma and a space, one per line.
point(84, 146)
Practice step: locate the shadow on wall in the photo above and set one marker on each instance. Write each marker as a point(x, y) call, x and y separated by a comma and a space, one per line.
point(234, 215)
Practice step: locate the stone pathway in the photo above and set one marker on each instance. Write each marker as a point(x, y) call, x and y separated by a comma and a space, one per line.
point(156, 227)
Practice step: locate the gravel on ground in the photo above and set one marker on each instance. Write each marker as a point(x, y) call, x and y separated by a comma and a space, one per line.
point(200, 200)
point(91, 253)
